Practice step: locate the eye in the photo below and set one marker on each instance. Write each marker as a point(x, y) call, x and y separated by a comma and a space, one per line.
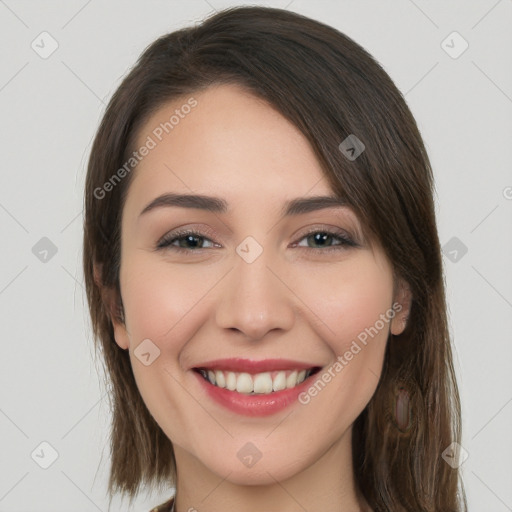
point(188, 240)
point(324, 237)
point(191, 240)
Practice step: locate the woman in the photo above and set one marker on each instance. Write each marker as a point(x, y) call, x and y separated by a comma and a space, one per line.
point(264, 277)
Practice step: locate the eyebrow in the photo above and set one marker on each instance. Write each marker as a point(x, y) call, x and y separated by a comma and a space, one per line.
point(298, 206)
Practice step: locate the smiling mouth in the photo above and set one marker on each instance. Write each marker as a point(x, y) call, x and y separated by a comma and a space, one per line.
point(263, 383)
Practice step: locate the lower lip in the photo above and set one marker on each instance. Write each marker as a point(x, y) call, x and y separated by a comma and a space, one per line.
point(253, 405)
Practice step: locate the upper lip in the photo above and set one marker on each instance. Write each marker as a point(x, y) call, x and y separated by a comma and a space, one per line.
point(252, 366)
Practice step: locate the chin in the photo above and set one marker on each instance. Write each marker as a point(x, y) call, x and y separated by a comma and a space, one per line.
point(260, 475)
point(262, 472)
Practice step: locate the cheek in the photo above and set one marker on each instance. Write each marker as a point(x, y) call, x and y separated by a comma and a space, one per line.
point(157, 297)
point(359, 296)
point(166, 304)
point(348, 300)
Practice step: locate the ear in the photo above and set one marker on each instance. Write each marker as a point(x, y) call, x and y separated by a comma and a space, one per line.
point(403, 301)
point(114, 308)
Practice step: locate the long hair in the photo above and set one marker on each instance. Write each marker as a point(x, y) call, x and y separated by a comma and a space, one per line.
point(329, 87)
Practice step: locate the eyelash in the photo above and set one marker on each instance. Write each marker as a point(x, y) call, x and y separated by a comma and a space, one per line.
point(344, 241)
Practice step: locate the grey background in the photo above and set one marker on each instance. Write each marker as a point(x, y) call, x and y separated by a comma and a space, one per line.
point(50, 384)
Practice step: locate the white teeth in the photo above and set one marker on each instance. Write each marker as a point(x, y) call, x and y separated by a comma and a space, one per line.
point(261, 383)
point(244, 383)
point(219, 379)
point(291, 380)
point(231, 381)
point(279, 382)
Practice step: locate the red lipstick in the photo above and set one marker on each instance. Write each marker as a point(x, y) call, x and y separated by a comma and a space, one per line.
point(255, 405)
point(250, 366)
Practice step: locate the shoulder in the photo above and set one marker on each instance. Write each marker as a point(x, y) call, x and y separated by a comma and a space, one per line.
point(164, 507)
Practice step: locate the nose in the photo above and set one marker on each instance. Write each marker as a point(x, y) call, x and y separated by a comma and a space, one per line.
point(256, 298)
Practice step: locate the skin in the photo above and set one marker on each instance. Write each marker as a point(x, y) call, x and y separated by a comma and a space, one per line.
point(293, 302)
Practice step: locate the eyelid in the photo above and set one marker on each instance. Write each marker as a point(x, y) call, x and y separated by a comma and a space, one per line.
point(203, 232)
point(344, 236)
point(346, 239)
point(327, 228)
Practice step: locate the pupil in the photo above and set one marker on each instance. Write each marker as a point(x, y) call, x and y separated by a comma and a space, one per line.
point(191, 239)
point(321, 237)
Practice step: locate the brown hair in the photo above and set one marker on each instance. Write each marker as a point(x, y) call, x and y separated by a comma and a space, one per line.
point(329, 87)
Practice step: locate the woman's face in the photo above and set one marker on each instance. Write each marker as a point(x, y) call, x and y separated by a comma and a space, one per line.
point(292, 291)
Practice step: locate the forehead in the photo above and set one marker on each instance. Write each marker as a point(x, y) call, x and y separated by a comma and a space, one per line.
point(231, 143)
